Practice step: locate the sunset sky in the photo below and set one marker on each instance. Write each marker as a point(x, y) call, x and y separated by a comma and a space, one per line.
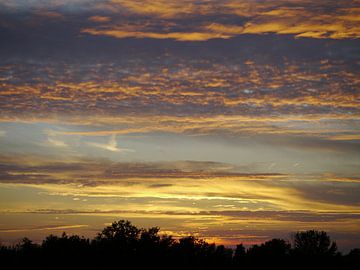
point(231, 120)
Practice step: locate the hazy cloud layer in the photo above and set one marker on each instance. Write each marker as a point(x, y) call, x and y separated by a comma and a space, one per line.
point(183, 180)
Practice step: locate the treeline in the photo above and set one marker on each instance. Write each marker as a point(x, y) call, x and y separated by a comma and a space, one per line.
point(124, 246)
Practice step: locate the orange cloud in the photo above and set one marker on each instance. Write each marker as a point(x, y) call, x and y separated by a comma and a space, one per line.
point(304, 19)
point(163, 8)
point(180, 36)
point(99, 19)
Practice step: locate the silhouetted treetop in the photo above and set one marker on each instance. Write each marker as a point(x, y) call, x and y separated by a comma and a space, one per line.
point(120, 231)
point(314, 243)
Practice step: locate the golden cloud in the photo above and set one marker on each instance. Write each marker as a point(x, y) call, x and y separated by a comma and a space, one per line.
point(175, 181)
point(301, 19)
point(180, 36)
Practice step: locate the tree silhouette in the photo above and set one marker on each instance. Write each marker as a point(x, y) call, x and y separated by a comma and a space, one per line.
point(239, 255)
point(315, 249)
point(119, 231)
point(26, 245)
point(124, 246)
point(353, 258)
point(314, 243)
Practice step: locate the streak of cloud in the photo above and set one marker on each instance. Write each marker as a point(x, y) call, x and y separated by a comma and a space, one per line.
point(110, 146)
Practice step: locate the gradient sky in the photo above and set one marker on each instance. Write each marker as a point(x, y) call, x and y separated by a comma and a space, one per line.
point(235, 121)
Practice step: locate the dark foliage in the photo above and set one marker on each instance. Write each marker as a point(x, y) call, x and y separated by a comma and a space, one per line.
point(124, 246)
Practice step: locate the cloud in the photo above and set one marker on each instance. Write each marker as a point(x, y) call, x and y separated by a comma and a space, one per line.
point(300, 18)
point(211, 182)
point(41, 228)
point(161, 8)
point(110, 146)
point(231, 87)
point(294, 132)
point(191, 20)
point(160, 185)
point(179, 36)
point(298, 216)
point(99, 19)
point(56, 143)
point(301, 216)
point(93, 172)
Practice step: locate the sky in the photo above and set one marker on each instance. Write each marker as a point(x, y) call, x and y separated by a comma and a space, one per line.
point(234, 121)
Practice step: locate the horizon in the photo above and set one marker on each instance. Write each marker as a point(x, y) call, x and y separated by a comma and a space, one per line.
point(56, 232)
point(234, 121)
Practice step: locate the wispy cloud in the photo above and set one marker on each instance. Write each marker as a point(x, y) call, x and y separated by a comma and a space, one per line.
point(110, 146)
point(56, 143)
point(183, 181)
point(301, 216)
point(41, 228)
